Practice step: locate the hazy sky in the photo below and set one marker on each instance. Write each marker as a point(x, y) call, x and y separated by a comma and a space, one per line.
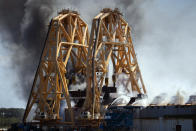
point(165, 51)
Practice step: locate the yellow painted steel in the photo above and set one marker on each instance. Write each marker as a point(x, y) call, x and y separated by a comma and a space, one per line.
point(110, 39)
point(67, 39)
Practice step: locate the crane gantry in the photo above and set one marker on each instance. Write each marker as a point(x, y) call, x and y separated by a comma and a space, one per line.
point(67, 40)
point(110, 39)
point(69, 51)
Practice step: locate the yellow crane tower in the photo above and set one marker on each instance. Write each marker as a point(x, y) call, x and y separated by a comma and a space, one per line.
point(68, 49)
point(110, 39)
point(67, 39)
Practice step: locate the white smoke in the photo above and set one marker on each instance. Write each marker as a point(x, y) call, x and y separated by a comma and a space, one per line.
point(165, 47)
point(78, 84)
point(164, 99)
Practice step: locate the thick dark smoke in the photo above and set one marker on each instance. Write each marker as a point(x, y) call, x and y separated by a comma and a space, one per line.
point(33, 29)
point(25, 22)
point(11, 13)
point(134, 15)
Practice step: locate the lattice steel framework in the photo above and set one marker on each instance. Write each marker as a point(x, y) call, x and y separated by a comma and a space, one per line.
point(110, 39)
point(67, 40)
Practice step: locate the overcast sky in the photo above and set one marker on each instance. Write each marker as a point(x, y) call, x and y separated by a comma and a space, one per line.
point(165, 51)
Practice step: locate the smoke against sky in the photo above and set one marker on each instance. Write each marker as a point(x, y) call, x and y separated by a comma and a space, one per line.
point(166, 52)
point(163, 34)
point(32, 17)
point(26, 31)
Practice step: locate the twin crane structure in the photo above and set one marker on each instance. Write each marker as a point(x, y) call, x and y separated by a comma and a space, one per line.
point(70, 54)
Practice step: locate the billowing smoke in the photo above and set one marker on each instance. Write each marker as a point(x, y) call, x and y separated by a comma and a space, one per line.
point(24, 23)
point(178, 99)
point(160, 99)
point(79, 83)
point(11, 13)
point(165, 99)
point(166, 51)
point(192, 100)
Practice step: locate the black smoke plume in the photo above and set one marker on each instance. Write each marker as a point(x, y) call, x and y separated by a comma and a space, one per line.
point(24, 23)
